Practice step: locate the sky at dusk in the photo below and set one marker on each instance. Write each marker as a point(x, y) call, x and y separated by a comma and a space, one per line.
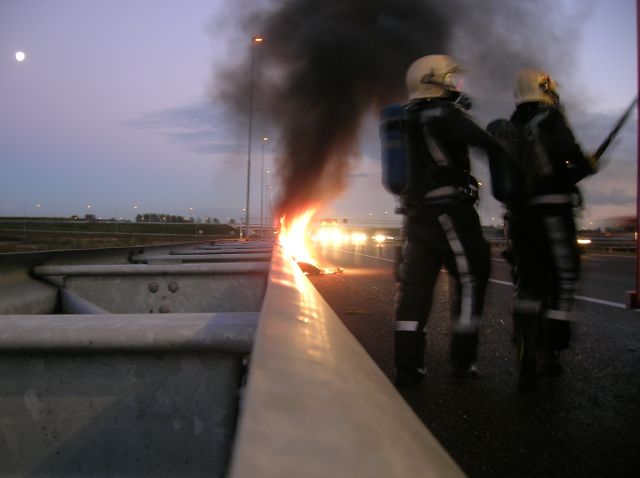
point(114, 112)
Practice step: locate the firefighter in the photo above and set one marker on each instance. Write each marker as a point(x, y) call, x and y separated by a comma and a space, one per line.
point(541, 225)
point(441, 224)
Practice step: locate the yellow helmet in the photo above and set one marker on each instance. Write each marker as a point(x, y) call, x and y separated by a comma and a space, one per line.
point(432, 76)
point(533, 85)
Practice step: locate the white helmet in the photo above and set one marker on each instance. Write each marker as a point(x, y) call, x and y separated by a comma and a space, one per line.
point(432, 76)
point(534, 85)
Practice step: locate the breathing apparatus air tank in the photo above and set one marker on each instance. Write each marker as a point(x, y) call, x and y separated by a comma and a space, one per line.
point(396, 138)
point(506, 175)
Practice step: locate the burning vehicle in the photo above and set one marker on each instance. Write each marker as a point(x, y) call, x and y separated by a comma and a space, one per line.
point(295, 239)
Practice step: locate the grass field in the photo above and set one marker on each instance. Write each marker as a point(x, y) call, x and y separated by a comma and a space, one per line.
point(28, 235)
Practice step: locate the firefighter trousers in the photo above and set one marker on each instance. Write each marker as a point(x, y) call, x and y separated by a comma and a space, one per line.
point(547, 267)
point(437, 236)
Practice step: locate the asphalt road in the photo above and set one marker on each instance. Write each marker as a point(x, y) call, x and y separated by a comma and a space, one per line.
point(586, 423)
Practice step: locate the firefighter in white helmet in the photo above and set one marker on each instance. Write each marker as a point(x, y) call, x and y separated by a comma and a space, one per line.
point(441, 224)
point(541, 224)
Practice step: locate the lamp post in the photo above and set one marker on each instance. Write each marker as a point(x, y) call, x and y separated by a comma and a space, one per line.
point(264, 140)
point(269, 198)
point(195, 226)
point(254, 41)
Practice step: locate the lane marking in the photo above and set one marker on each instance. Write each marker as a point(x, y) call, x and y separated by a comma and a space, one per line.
point(602, 302)
point(501, 282)
point(364, 255)
point(593, 300)
point(583, 298)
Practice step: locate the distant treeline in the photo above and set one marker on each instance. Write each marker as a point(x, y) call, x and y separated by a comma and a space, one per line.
point(41, 234)
point(154, 217)
point(117, 227)
point(146, 217)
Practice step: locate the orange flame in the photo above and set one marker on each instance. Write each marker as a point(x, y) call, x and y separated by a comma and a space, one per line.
point(293, 236)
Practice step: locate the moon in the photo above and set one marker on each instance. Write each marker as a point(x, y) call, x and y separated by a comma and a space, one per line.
point(20, 56)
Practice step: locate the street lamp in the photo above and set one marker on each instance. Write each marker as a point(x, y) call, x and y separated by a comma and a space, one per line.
point(254, 41)
point(269, 198)
point(264, 140)
point(268, 215)
point(195, 226)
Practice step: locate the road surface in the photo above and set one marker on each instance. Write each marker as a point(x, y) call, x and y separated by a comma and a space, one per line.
point(585, 423)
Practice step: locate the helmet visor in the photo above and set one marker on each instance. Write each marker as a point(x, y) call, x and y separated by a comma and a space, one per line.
point(450, 81)
point(453, 81)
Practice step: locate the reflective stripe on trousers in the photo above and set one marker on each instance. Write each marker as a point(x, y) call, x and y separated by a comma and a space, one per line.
point(562, 254)
point(466, 321)
point(406, 325)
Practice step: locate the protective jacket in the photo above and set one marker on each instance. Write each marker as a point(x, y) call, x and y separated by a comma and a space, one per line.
point(541, 224)
point(442, 229)
point(443, 173)
point(550, 159)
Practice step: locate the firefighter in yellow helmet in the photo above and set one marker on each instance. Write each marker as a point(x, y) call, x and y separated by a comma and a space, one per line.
point(541, 224)
point(441, 224)
point(537, 87)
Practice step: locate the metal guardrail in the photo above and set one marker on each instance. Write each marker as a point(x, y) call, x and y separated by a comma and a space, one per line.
point(610, 244)
point(597, 244)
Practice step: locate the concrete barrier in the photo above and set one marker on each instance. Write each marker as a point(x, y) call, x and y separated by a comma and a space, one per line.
point(316, 405)
point(120, 395)
point(109, 389)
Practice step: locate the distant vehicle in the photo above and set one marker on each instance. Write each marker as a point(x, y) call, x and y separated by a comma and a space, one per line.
point(382, 237)
point(583, 244)
point(334, 233)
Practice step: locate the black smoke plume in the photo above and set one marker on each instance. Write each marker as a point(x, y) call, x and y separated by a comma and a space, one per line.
point(325, 64)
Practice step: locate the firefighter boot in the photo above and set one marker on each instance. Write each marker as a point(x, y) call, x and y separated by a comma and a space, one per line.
point(464, 347)
point(549, 364)
point(526, 327)
point(557, 334)
point(408, 377)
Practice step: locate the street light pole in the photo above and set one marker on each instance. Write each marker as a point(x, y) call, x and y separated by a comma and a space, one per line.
point(264, 140)
point(254, 41)
point(195, 226)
